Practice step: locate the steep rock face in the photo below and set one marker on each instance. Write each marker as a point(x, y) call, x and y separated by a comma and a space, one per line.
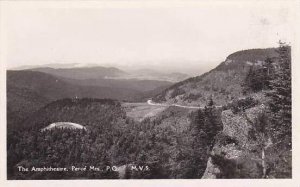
point(232, 154)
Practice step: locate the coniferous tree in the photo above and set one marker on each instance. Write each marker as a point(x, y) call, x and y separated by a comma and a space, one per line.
point(211, 125)
point(269, 72)
point(198, 147)
point(247, 85)
point(257, 78)
point(210, 102)
point(279, 113)
point(280, 96)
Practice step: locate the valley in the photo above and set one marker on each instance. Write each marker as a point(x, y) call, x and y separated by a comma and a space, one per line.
point(140, 111)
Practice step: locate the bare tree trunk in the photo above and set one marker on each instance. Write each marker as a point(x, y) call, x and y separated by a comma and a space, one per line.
point(263, 163)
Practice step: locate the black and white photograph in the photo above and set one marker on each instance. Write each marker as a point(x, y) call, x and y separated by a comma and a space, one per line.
point(109, 90)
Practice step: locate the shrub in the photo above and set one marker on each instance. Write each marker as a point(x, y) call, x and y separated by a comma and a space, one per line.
point(176, 92)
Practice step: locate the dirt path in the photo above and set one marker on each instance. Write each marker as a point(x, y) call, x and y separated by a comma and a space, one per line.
point(140, 111)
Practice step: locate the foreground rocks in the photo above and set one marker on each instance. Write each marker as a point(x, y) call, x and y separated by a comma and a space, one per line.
point(233, 154)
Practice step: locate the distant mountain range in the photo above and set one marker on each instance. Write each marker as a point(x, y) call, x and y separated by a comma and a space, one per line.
point(29, 90)
point(150, 74)
point(82, 72)
point(94, 71)
point(223, 83)
point(55, 66)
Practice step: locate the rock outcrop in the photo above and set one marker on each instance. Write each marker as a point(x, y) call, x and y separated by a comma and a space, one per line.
point(233, 149)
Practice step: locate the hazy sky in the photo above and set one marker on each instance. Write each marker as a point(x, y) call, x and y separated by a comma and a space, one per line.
point(179, 37)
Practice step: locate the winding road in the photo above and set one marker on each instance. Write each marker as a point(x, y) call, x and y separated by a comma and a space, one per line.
point(150, 102)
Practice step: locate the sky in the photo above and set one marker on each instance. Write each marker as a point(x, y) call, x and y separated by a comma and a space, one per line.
point(184, 37)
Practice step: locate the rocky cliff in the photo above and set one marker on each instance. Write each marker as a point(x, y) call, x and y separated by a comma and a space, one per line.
point(234, 152)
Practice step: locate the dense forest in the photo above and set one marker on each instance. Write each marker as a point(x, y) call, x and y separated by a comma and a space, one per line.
point(111, 139)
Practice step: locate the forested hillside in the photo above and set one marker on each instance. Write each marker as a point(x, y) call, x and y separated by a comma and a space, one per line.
point(223, 83)
point(173, 144)
point(140, 86)
point(104, 121)
point(28, 91)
